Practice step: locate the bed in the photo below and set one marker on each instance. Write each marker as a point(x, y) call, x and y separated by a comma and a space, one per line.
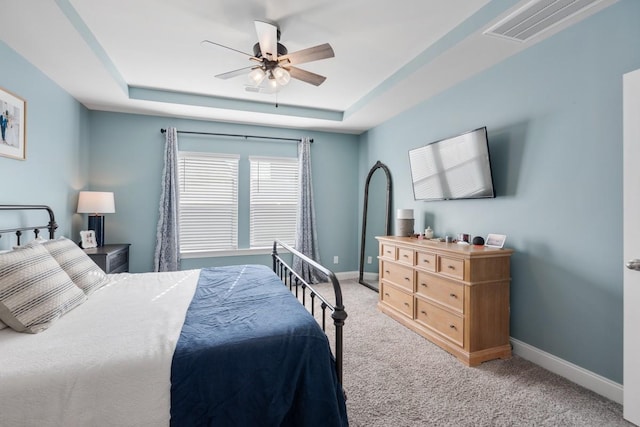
point(212, 347)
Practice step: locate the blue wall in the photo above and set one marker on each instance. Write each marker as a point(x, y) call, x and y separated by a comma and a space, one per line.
point(554, 116)
point(127, 155)
point(57, 151)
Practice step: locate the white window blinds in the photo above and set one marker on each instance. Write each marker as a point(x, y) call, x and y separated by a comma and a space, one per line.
point(273, 200)
point(208, 201)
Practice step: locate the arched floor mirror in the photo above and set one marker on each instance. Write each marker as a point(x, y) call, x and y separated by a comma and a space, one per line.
point(376, 215)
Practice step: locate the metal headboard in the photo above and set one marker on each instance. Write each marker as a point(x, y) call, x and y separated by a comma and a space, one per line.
point(52, 226)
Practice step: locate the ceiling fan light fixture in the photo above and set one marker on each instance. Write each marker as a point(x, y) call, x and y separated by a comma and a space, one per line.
point(272, 81)
point(256, 76)
point(281, 75)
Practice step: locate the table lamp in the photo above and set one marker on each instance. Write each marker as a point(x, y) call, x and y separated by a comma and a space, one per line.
point(96, 203)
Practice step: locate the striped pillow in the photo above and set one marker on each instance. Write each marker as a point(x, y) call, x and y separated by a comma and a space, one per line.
point(76, 263)
point(34, 290)
point(2, 325)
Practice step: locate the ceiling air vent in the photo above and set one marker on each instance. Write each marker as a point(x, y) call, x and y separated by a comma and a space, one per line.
point(537, 16)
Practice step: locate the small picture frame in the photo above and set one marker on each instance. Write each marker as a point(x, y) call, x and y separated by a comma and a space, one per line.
point(13, 115)
point(88, 239)
point(495, 240)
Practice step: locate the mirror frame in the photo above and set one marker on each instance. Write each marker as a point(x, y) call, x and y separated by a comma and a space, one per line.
point(378, 165)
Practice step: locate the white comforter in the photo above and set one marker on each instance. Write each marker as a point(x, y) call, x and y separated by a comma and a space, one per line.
point(106, 363)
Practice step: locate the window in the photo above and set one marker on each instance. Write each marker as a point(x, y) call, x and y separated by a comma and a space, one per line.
point(273, 200)
point(208, 201)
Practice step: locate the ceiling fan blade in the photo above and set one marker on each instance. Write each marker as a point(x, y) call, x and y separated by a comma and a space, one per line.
point(268, 39)
point(209, 43)
point(306, 76)
point(235, 73)
point(315, 53)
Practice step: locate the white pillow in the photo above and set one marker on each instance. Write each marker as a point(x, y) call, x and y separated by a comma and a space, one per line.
point(76, 263)
point(34, 290)
point(31, 243)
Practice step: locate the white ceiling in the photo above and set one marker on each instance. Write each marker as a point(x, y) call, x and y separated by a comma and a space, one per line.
point(145, 56)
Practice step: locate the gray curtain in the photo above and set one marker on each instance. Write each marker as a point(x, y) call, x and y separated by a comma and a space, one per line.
point(167, 255)
point(306, 236)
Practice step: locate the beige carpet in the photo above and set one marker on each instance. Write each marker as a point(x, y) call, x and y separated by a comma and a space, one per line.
point(394, 377)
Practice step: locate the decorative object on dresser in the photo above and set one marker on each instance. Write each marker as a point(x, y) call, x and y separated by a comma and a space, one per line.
point(404, 222)
point(96, 203)
point(111, 258)
point(478, 240)
point(495, 240)
point(455, 296)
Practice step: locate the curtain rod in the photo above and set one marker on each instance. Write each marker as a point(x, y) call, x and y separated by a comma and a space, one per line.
point(238, 135)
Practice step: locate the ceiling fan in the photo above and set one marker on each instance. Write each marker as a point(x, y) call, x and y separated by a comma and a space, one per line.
point(274, 65)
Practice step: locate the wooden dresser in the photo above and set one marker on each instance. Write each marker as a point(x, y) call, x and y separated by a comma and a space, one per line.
point(457, 296)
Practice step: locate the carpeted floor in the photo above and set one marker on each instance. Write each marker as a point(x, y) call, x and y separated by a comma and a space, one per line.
point(394, 377)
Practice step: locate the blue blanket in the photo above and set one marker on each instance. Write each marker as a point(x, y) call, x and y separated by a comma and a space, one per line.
point(249, 354)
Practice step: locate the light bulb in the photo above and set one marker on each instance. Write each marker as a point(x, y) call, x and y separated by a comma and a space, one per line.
point(256, 76)
point(282, 76)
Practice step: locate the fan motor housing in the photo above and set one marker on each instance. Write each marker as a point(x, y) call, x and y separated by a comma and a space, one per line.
point(282, 50)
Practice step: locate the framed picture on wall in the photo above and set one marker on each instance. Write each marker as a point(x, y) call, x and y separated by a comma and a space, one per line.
point(13, 115)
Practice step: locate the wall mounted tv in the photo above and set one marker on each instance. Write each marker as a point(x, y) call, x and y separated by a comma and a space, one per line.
point(453, 168)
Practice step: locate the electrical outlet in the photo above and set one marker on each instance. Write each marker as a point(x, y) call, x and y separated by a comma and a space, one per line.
point(335, 259)
point(369, 260)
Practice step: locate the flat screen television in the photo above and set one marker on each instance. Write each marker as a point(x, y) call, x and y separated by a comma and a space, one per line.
point(453, 168)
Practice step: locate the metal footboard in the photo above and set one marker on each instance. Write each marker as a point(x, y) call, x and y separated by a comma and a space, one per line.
point(301, 287)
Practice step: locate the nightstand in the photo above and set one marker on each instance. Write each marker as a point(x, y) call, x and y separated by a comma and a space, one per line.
point(111, 258)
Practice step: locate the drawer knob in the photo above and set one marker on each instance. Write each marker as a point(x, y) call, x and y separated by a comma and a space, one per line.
point(407, 279)
point(405, 255)
point(386, 294)
point(423, 284)
point(407, 304)
point(423, 312)
point(453, 295)
point(426, 261)
point(387, 271)
point(451, 267)
point(452, 326)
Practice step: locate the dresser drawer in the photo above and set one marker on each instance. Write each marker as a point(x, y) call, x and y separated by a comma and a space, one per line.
point(118, 262)
point(405, 256)
point(112, 258)
point(453, 267)
point(398, 274)
point(447, 324)
point(426, 261)
point(443, 291)
point(401, 301)
point(388, 251)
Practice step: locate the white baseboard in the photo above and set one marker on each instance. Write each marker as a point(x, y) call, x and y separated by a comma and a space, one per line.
point(346, 275)
point(354, 275)
point(587, 379)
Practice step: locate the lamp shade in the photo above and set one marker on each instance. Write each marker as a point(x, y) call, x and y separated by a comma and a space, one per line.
point(96, 202)
point(281, 75)
point(256, 76)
